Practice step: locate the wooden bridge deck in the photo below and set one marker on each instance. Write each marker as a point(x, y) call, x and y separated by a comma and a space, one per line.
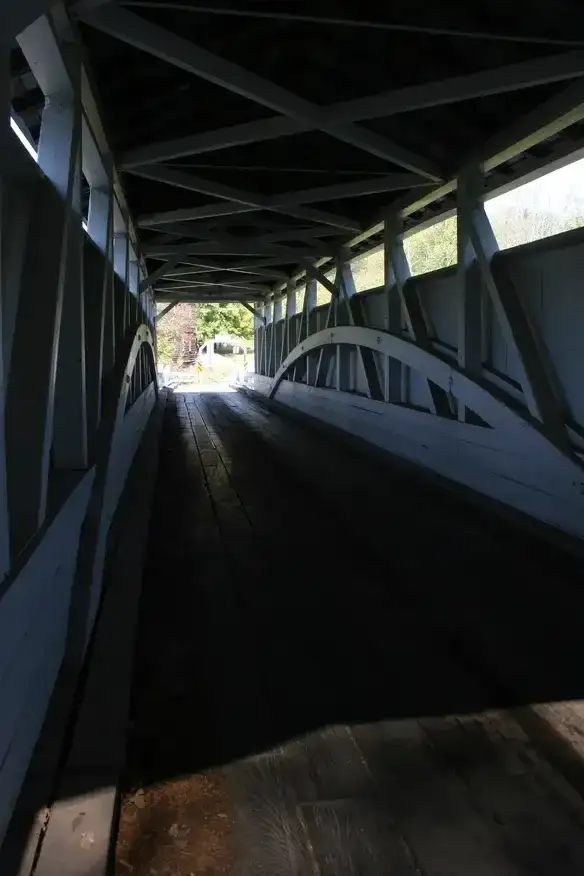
point(336, 666)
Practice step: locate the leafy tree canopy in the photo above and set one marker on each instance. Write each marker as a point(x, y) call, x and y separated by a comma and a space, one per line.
point(188, 326)
point(223, 319)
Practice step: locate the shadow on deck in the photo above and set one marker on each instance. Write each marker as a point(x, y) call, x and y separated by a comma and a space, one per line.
point(295, 585)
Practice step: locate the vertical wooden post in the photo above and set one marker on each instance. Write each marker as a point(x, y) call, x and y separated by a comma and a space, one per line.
point(97, 289)
point(70, 415)
point(469, 288)
point(392, 388)
point(412, 309)
point(539, 382)
point(52, 264)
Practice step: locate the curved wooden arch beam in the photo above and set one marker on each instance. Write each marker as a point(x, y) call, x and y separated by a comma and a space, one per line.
point(525, 431)
point(114, 410)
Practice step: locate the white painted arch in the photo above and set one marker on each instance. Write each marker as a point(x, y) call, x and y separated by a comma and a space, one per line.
point(519, 427)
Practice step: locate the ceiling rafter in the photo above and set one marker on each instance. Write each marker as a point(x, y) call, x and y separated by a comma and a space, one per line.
point(455, 89)
point(226, 284)
point(167, 46)
point(203, 294)
point(238, 196)
point(219, 208)
point(518, 76)
point(243, 248)
point(249, 266)
point(190, 230)
point(288, 202)
point(354, 23)
point(188, 281)
point(154, 276)
point(545, 121)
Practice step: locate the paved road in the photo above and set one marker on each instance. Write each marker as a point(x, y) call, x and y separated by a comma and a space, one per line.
point(335, 665)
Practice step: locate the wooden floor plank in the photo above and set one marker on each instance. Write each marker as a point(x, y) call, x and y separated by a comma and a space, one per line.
point(316, 657)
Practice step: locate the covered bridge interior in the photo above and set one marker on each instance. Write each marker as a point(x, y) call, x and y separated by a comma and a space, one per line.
point(330, 622)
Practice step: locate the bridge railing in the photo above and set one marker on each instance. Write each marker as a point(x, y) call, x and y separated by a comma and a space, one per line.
point(506, 325)
point(78, 388)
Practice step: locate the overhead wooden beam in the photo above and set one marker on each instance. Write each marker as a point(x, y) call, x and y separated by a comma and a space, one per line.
point(202, 293)
point(256, 288)
point(237, 268)
point(552, 116)
point(156, 275)
point(163, 44)
point(372, 186)
point(224, 138)
point(315, 274)
point(412, 307)
point(219, 208)
point(402, 100)
point(244, 248)
point(192, 183)
point(255, 312)
point(513, 77)
point(166, 310)
point(538, 382)
point(196, 232)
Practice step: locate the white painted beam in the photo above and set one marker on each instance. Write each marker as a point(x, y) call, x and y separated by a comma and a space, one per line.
point(49, 324)
point(244, 248)
point(526, 74)
point(373, 186)
point(393, 382)
point(191, 232)
point(469, 292)
point(315, 274)
point(166, 310)
point(98, 275)
point(538, 382)
point(435, 93)
point(163, 44)
point(412, 307)
point(547, 120)
point(255, 311)
point(225, 138)
point(304, 234)
point(248, 199)
point(219, 208)
point(237, 268)
point(554, 115)
point(199, 231)
point(172, 262)
point(201, 293)
point(225, 284)
point(40, 47)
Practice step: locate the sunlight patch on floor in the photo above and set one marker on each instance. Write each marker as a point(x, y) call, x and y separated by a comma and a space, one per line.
point(206, 387)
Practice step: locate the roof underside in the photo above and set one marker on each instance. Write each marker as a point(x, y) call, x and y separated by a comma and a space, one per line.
point(238, 210)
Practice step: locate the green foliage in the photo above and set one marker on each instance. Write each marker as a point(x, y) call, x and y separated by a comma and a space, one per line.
point(432, 248)
point(176, 336)
point(368, 271)
point(435, 247)
point(518, 225)
point(165, 346)
point(223, 319)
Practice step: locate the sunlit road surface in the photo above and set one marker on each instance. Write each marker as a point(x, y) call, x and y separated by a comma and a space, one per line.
point(205, 387)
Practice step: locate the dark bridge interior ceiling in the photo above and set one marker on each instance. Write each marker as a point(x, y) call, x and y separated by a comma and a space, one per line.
point(256, 133)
